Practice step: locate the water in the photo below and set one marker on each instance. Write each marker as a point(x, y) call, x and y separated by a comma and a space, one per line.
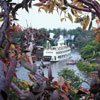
point(56, 67)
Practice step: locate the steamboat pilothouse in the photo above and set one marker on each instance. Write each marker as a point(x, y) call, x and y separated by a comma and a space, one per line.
point(57, 53)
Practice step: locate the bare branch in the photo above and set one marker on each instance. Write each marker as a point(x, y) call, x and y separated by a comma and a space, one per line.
point(94, 5)
point(2, 79)
point(10, 73)
point(8, 43)
point(15, 88)
point(86, 2)
point(82, 9)
point(28, 66)
point(6, 20)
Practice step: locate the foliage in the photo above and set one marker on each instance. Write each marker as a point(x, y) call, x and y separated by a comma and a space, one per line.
point(13, 95)
point(91, 50)
point(82, 65)
point(69, 75)
point(80, 38)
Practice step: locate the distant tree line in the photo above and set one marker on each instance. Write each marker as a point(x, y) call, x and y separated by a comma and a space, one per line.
point(80, 40)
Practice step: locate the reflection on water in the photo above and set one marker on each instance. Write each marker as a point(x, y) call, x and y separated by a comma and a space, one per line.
point(56, 67)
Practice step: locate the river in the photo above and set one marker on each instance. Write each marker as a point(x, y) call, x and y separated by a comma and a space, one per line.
point(57, 67)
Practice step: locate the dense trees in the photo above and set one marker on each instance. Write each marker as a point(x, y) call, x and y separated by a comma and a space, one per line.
point(80, 38)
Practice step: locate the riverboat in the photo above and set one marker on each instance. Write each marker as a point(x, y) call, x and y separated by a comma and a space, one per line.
point(57, 53)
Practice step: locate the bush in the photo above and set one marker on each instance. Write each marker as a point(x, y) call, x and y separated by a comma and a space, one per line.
point(87, 66)
point(69, 75)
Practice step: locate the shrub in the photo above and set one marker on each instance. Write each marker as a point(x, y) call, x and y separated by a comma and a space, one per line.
point(69, 75)
point(87, 66)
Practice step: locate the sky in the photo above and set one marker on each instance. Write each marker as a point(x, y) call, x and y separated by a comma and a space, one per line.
point(43, 20)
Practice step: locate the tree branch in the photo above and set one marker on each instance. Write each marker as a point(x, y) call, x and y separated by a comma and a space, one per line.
point(15, 88)
point(86, 2)
point(2, 76)
point(10, 73)
point(8, 43)
point(92, 4)
point(2, 79)
point(82, 9)
point(6, 20)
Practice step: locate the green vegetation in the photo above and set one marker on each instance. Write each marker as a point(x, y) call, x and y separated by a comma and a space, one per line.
point(80, 40)
point(13, 95)
point(89, 53)
point(69, 75)
point(82, 65)
point(91, 50)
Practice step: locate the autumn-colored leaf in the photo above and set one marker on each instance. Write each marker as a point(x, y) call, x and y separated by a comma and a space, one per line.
point(1, 19)
point(44, 8)
point(74, 90)
point(56, 83)
point(62, 3)
point(97, 21)
point(86, 23)
point(38, 4)
point(43, 1)
point(64, 88)
point(28, 60)
point(10, 16)
point(76, 15)
point(31, 77)
point(18, 28)
point(51, 8)
point(79, 4)
point(4, 60)
point(15, 75)
point(12, 54)
point(62, 19)
point(13, 46)
point(68, 85)
point(26, 83)
point(94, 28)
point(70, 17)
point(78, 20)
point(19, 56)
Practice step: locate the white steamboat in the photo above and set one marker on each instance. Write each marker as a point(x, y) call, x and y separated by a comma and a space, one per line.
point(57, 53)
